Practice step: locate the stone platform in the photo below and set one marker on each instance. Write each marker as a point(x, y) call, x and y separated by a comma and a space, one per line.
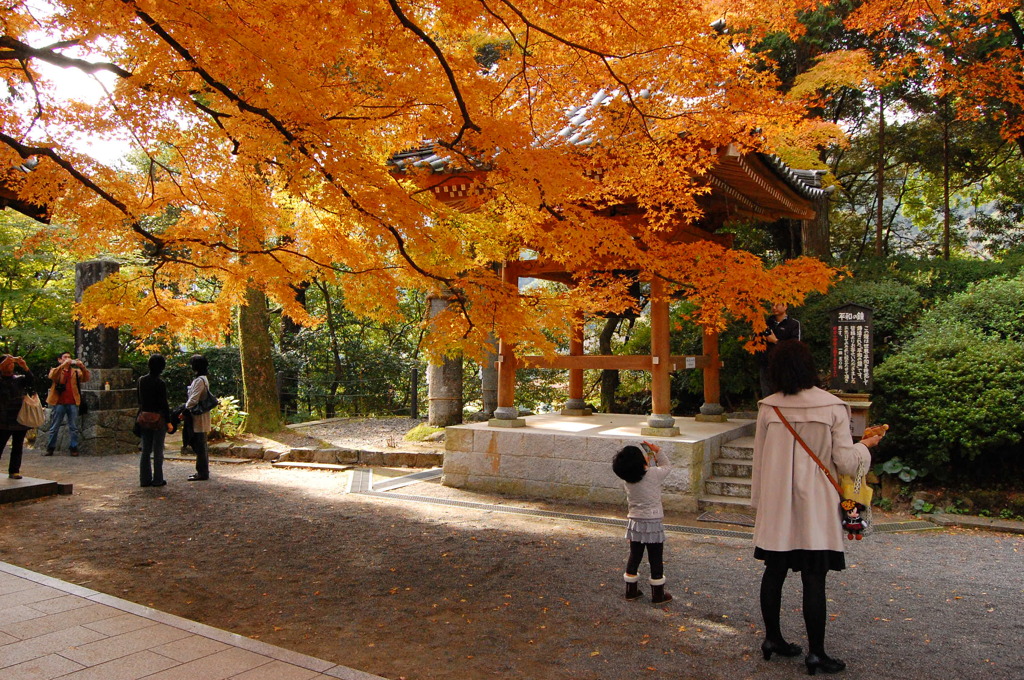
point(569, 457)
point(26, 489)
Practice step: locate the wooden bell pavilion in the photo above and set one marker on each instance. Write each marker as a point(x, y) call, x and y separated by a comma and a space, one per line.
point(752, 186)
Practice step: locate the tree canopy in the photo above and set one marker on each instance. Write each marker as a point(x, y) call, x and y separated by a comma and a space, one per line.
point(265, 129)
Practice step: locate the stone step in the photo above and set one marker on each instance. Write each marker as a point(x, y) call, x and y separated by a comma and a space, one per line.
point(733, 467)
point(736, 487)
point(742, 447)
point(724, 503)
point(312, 466)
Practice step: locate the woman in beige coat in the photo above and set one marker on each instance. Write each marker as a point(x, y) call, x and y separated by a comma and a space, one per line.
point(200, 423)
point(797, 526)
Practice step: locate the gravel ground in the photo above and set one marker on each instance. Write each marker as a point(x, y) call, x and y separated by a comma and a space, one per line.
point(425, 591)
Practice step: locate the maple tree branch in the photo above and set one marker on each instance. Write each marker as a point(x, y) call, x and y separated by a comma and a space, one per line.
point(15, 49)
point(28, 151)
point(1015, 28)
point(467, 121)
point(283, 130)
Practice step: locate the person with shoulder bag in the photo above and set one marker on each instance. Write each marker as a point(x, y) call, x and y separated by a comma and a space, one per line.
point(797, 524)
point(13, 389)
point(153, 423)
point(65, 398)
point(198, 393)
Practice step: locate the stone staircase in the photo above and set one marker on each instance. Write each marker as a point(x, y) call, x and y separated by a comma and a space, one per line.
point(728, 486)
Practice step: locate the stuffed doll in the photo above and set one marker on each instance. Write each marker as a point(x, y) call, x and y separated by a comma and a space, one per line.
point(854, 522)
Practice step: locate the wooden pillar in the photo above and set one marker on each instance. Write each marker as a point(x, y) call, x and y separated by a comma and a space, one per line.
point(575, 406)
point(507, 415)
point(711, 410)
point(660, 422)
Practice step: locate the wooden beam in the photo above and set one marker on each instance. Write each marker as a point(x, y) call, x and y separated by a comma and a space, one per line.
point(596, 362)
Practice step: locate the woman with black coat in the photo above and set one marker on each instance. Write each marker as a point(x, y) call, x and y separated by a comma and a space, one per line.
point(13, 389)
point(153, 399)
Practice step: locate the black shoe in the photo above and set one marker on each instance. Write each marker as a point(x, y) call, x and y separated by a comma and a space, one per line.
point(783, 648)
point(145, 485)
point(163, 482)
point(49, 452)
point(823, 663)
point(198, 477)
point(74, 451)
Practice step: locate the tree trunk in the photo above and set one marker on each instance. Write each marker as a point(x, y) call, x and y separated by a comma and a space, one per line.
point(945, 179)
point(259, 385)
point(816, 231)
point(609, 377)
point(288, 378)
point(880, 179)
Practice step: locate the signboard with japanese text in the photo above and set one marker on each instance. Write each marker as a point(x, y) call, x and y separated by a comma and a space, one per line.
point(852, 348)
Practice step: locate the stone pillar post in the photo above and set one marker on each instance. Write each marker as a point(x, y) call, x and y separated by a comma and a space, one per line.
point(109, 396)
point(660, 423)
point(444, 380)
point(489, 378)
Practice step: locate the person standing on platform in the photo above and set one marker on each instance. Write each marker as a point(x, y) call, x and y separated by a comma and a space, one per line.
point(781, 327)
point(13, 389)
point(65, 398)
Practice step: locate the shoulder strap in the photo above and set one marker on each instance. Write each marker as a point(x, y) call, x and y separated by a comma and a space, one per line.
point(808, 450)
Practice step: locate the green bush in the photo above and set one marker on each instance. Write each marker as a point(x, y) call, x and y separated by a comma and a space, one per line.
point(953, 395)
point(993, 308)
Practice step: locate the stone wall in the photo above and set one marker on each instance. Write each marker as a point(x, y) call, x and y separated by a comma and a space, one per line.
point(576, 466)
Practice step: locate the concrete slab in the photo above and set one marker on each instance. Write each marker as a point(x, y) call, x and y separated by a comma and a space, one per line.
point(26, 489)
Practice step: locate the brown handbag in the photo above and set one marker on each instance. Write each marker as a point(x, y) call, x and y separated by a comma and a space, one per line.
point(150, 420)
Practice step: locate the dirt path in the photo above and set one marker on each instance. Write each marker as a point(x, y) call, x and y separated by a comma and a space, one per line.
point(419, 591)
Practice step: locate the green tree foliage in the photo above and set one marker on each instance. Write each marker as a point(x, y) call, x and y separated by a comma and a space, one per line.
point(37, 291)
point(954, 393)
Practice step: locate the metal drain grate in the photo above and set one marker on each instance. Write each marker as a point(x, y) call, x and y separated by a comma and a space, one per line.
point(362, 483)
point(512, 510)
point(728, 518)
point(406, 480)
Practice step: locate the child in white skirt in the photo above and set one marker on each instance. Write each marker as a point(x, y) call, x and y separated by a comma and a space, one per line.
point(643, 478)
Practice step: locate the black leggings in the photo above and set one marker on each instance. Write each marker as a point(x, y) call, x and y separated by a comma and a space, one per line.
point(17, 439)
point(813, 602)
point(655, 555)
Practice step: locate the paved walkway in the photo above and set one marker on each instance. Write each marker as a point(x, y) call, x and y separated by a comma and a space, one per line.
point(53, 629)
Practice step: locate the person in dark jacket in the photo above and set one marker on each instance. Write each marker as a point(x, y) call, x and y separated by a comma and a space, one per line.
point(780, 327)
point(153, 399)
point(13, 388)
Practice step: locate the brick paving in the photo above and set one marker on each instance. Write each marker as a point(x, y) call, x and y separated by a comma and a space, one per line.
point(53, 629)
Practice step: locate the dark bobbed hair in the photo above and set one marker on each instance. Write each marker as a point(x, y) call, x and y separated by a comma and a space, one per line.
point(156, 364)
point(199, 364)
point(791, 367)
point(629, 464)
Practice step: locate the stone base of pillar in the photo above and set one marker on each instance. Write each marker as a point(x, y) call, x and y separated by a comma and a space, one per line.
point(576, 407)
point(711, 418)
point(659, 431)
point(502, 422)
point(576, 412)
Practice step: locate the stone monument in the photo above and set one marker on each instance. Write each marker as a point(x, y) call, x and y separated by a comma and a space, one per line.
point(109, 395)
